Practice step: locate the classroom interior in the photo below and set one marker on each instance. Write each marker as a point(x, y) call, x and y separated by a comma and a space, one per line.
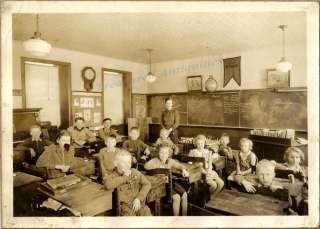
point(219, 71)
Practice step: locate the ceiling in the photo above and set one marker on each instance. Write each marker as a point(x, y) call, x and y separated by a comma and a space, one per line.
point(171, 35)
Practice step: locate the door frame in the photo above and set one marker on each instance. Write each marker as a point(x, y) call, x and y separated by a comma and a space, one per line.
point(64, 72)
point(127, 92)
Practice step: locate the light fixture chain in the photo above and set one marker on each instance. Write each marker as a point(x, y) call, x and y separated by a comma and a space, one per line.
point(283, 43)
point(37, 23)
point(149, 59)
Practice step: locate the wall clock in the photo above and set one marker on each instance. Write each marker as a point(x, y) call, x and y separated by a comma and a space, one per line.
point(88, 75)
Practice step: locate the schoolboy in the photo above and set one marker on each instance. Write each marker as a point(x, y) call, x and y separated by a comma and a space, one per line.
point(133, 187)
point(107, 154)
point(34, 146)
point(138, 149)
point(80, 134)
point(163, 161)
point(107, 130)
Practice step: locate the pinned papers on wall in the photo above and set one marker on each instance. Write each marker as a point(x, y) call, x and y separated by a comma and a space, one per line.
point(76, 102)
point(87, 115)
point(78, 114)
point(84, 102)
point(90, 102)
point(98, 102)
point(87, 105)
point(96, 117)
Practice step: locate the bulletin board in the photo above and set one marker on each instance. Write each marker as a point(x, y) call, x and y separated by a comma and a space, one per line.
point(88, 105)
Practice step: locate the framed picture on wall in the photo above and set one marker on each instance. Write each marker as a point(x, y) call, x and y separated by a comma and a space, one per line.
point(194, 83)
point(276, 79)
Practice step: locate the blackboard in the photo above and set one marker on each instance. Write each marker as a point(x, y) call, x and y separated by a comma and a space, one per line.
point(214, 109)
point(273, 110)
point(260, 108)
point(156, 105)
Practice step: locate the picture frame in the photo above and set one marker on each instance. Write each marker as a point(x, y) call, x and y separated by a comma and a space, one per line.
point(194, 83)
point(276, 79)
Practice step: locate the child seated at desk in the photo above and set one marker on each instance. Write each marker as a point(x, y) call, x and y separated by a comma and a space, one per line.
point(138, 149)
point(107, 130)
point(59, 158)
point(34, 146)
point(132, 186)
point(180, 194)
point(264, 178)
point(226, 151)
point(212, 178)
point(164, 139)
point(246, 160)
point(293, 158)
point(107, 154)
point(80, 134)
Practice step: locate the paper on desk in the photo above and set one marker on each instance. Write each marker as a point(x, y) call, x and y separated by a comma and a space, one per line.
point(51, 204)
point(73, 211)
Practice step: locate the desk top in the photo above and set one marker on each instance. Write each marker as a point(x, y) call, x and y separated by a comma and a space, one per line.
point(21, 178)
point(194, 170)
point(239, 203)
point(90, 199)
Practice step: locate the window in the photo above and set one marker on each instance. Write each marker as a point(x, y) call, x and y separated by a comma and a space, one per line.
point(42, 90)
point(113, 97)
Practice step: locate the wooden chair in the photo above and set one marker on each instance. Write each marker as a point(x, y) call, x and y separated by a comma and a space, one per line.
point(169, 187)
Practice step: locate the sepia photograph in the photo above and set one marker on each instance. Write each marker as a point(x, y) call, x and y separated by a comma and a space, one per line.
point(101, 126)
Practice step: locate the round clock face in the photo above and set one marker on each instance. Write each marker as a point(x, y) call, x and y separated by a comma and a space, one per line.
point(89, 74)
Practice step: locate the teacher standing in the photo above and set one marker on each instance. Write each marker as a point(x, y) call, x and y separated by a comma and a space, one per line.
point(170, 120)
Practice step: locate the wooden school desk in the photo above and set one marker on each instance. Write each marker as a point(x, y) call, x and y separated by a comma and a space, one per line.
point(24, 188)
point(89, 199)
point(157, 191)
point(230, 202)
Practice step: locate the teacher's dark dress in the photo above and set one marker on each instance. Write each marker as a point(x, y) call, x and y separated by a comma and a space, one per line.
point(170, 119)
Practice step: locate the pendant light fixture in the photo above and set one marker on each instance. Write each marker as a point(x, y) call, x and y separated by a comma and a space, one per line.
point(36, 45)
point(150, 78)
point(283, 65)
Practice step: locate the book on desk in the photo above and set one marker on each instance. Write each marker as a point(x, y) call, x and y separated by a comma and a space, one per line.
point(63, 184)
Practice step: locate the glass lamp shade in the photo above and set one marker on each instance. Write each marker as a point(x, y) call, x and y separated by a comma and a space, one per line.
point(150, 78)
point(37, 46)
point(284, 66)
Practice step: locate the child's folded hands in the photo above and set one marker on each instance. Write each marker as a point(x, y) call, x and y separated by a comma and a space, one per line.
point(248, 186)
point(185, 173)
point(136, 205)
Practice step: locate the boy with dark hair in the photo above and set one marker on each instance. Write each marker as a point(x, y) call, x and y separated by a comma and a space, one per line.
point(59, 158)
point(80, 134)
point(107, 130)
point(34, 146)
